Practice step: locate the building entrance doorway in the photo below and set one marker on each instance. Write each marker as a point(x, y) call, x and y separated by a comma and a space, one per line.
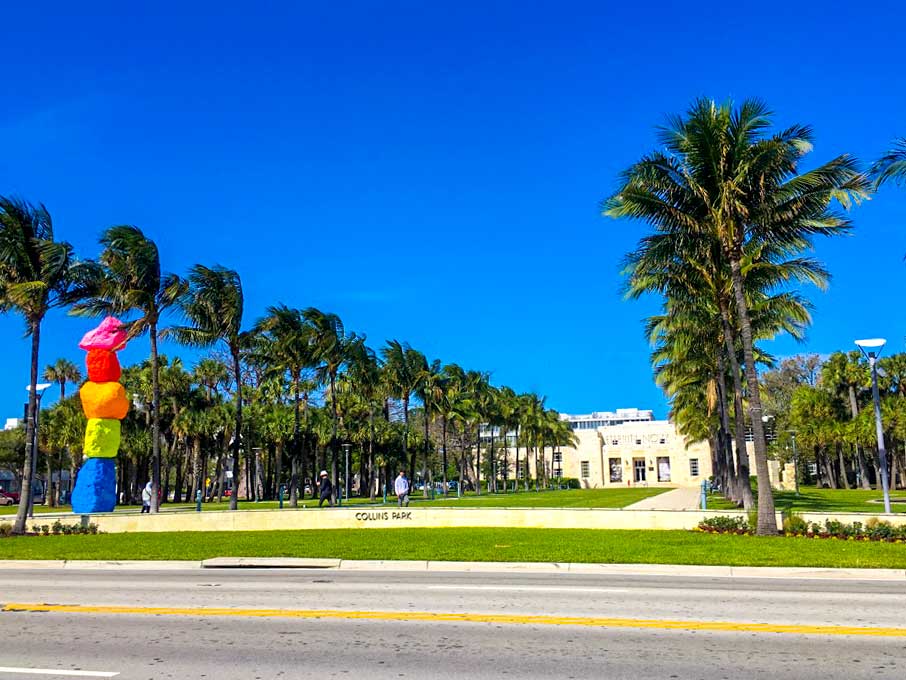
point(638, 469)
point(663, 469)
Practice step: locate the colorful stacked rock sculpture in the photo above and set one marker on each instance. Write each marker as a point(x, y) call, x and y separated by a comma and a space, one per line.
point(105, 405)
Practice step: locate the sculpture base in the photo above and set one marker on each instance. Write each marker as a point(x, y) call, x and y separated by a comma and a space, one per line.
point(95, 489)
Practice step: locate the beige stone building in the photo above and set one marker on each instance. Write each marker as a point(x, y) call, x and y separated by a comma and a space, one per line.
point(634, 453)
point(624, 448)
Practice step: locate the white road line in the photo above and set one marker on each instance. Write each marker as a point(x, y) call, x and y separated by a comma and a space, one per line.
point(533, 589)
point(59, 671)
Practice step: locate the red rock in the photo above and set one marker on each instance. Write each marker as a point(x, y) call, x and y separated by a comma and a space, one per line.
point(103, 366)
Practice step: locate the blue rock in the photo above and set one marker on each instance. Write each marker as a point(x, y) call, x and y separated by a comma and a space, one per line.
point(95, 489)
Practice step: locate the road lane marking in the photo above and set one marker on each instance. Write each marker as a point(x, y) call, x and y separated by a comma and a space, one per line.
point(532, 589)
point(58, 671)
point(453, 617)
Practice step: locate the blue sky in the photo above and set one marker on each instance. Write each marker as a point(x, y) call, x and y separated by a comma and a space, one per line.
point(431, 171)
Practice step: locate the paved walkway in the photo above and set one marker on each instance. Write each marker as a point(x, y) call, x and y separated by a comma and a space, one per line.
point(684, 498)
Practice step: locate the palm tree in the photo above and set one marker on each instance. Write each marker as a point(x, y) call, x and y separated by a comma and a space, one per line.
point(490, 409)
point(508, 405)
point(288, 349)
point(477, 387)
point(330, 349)
point(844, 374)
point(402, 368)
point(34, 278)
point(722, 174)
point(430, 390)
point(892, 165)
point(212, 304)
point(61, 372)
point(127, 279)
point(365, 375)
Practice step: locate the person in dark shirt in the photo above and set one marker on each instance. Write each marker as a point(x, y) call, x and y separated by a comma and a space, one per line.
point(326, 489)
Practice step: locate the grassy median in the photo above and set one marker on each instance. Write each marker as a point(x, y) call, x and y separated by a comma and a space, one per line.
point(508, 545)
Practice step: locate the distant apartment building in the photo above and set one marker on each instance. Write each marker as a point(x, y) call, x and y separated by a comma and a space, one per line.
point(12, 423)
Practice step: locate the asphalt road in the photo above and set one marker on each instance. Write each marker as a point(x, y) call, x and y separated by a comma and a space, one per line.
point(332, 624)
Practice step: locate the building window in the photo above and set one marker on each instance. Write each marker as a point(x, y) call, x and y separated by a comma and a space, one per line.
point(585, 469)
point(558, 457)
point(638, 442)
point(693, 467)
point(615, 442)
point(663, 440)
point(616, 470)
point(663, 469)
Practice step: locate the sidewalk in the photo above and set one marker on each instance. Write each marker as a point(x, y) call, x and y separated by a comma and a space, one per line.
point(684, 498)
point(687, 570)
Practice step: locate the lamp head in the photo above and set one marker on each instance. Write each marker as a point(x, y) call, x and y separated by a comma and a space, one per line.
point(39, 388)
point(871, 343)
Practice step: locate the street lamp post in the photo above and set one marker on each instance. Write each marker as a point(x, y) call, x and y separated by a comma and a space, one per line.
point(871, 348)
point(346, 448)
point(33, 446)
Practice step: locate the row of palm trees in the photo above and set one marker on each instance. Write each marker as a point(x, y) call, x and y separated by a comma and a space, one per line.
point(301, 359)
point(819, 411)
point(732, 216)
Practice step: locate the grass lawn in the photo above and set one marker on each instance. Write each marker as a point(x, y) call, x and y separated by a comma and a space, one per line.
point(529, 545)
point(573, 498)
point(813, 499)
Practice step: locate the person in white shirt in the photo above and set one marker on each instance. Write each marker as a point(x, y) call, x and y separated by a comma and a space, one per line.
point(146, 498)
point(401, 487)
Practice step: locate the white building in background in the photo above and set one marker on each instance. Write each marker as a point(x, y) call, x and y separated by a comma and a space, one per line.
point(598, 419)
point(12, 423)
point(638, 451)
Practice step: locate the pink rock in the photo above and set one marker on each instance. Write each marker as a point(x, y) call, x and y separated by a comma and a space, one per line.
point(109, 335)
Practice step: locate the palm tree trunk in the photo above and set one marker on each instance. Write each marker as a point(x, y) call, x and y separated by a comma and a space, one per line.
point(506, 470)
point(767, 519)
point(492, 479)
point(372, 487)
point(516, 474)
point(864, 481)
point(406, 457)
point(741, 487)
point(478, 460)
point(155, 419)
point(334, 473)
point(425, 461)
point(725, 451)
point(237, 443)
point(444, 454)
point(28, 471)
point(844, 476)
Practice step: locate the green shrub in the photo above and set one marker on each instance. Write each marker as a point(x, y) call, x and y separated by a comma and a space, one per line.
point(723, 524)
point(6, 529)
point(794, 524)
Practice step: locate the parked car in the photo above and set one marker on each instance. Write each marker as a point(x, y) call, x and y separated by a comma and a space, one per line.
point(7, 498)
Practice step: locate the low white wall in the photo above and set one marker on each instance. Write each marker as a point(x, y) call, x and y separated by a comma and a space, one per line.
point(390, 516)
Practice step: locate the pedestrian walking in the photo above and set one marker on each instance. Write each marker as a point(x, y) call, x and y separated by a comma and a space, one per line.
point(146, 498)
point(326, 490)
point(401, 486)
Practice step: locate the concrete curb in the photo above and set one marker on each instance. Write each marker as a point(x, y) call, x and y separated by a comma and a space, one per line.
point(695, 571)
point(270, 563)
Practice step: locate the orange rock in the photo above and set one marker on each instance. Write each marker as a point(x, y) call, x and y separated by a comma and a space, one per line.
point(104, 400)
point(103, 366)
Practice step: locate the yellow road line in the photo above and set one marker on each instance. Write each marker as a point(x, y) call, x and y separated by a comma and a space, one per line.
point(518, 619)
